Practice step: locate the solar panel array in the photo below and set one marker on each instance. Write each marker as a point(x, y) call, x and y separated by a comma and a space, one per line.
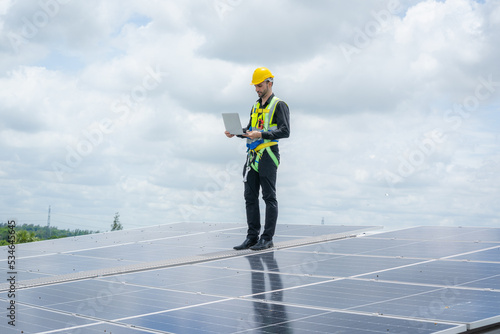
point(185, 278)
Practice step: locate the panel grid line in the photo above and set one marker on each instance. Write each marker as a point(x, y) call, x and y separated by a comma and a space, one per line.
point(171, 262)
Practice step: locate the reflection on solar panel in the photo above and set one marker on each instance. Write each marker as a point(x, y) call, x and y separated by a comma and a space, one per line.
point(185, 278)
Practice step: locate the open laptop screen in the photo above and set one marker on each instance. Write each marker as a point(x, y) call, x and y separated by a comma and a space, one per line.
point(232, 123)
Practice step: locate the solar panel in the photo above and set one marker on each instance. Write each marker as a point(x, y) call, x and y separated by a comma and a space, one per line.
point(445, 273)
point(185, 278)
point(236, 316)
point(489, 255)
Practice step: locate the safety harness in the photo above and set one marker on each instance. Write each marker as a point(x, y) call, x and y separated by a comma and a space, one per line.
point(260, 121)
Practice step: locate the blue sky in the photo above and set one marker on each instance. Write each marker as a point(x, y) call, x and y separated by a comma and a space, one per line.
point(115, 107)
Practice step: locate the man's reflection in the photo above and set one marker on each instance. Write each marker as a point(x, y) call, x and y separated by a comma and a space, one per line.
point(272, 312)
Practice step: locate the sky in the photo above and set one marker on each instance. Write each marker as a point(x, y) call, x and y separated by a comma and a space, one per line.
point(115, 106)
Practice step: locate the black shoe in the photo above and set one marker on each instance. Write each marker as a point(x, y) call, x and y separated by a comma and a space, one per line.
point(262, 244)
point(246, 244)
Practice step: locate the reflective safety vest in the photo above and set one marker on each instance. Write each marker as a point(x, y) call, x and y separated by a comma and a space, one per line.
point(261, 121)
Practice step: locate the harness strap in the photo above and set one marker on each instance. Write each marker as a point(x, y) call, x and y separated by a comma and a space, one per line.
point(260, 120)
point(265, 145)
point(253, 157)
point(273, 156)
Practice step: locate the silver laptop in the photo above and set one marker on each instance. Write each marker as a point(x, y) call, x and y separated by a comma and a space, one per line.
point(232, 123)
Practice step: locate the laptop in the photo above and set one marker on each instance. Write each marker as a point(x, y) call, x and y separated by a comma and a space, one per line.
point(232, 123)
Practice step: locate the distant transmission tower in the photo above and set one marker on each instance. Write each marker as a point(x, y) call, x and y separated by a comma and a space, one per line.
point(48, 222)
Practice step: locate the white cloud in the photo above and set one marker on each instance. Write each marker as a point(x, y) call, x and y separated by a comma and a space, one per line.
point(124, 98)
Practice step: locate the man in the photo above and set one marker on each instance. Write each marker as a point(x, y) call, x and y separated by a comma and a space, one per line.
point(269, 122)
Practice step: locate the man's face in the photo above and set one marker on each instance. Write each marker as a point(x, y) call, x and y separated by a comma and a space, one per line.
point(263, 88)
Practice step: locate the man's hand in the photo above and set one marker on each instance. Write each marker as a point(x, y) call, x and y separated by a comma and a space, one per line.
point(228, 135)
point(253, 134)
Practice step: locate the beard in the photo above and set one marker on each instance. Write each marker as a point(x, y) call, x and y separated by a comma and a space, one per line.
point(262, 93)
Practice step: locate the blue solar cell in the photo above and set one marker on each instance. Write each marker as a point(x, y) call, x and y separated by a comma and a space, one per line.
point(108, 328)
point(239, 316)
point(321, 264)
point(109, 300)
point(306, 231)
point(224, 317)
point(490, 255)
point(433, 249)
point(336, 322)
point(445, 233)
point(34, 320)
point(26, 274)
point(443, 304)
point(213, 281)
point(344, 294)
point(480, 235)
point(135, 253)
point(445, 273)
point(491, 283)
point(395, 299)
point(353, 246)
point(59, 264)
point(424, 249)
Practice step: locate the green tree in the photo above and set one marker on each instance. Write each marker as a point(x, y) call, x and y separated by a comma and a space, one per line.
point(35, 233)
point(116, 226)
point(24, 236)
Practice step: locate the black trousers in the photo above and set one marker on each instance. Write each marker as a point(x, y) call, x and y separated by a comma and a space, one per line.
point(265, 179)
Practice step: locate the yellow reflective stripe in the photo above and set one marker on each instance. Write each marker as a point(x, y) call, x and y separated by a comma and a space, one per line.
point(255, 163)
point(268, 113)
point(275, 101)
point(271, 154)
point(264, 145)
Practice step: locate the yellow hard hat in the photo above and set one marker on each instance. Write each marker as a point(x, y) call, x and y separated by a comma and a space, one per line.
point(260, 75)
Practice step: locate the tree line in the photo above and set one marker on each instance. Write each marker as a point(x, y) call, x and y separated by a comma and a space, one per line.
point(29, 233)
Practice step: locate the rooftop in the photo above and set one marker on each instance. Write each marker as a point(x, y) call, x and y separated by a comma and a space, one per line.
point(185, 278)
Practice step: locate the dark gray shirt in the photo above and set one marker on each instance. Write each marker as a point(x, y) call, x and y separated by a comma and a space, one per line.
point(281, 117)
